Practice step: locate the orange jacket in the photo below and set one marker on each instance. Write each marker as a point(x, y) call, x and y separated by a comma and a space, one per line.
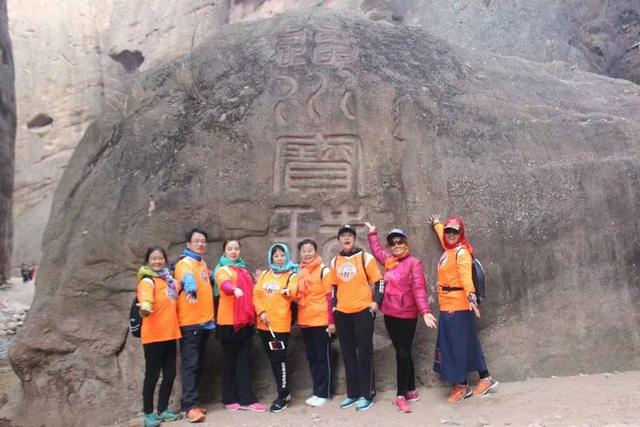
point(315, 311)
point(348, 274)
point(225, 304)
point(454, 269)
point(202, 311)
point(162, 323)
point(267, 298)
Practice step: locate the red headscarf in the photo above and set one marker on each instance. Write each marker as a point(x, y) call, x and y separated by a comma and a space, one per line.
point(455, 222)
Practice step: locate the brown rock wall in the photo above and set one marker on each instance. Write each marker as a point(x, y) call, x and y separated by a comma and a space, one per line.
point(7, 143)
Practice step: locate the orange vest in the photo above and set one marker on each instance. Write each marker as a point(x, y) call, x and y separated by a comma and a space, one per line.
point(348, 274)
point(454, 269)
point(267, 298)
point(162, 323)
point(315, 311)
point(202, 311)
point(225, 304)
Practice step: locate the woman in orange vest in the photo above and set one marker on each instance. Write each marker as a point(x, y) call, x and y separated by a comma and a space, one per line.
point(236, 318)
point(160, 331)
point(458, 350)
point(315, 319)
point(272, 297)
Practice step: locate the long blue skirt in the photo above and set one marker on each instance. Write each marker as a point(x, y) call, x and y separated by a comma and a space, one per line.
point(458, 350)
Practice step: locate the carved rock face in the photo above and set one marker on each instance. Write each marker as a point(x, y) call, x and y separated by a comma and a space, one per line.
point(286, 128)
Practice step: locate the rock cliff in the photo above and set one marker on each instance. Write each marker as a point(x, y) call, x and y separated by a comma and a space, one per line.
point(7, 141)
point(75, 60)
point(283, 129)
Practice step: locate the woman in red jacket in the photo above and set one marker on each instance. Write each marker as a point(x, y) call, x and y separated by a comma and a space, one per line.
point(458, 350)
point(405, 299)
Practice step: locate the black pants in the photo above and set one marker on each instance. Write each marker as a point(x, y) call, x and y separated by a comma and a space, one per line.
point(402, 332)
point(355, 333)
point(317, 345)
point(278, 359)
point(193, 346)
point(236, 366)
point(158, 357)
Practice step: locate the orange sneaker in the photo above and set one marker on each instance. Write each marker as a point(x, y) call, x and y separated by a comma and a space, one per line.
point(459, 393)
point(484, 385)
point(195, 415)
point(203, 410)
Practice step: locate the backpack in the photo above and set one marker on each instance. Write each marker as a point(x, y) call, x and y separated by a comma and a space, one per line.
point(135, 319)
point(477, 274)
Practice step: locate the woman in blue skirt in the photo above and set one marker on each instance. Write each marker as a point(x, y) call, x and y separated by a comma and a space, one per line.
point(458, 350)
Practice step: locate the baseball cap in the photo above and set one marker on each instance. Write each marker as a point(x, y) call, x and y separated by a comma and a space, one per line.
point(396, 232)
point(452, 226)
point(347, 228)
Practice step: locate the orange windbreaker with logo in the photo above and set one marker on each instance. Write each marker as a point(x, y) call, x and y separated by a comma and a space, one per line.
point(348, 274)
point(225, 304)
point(454, 269)
point(267, 298)
point(162, 323)
point(315, 311)
point(202, 311)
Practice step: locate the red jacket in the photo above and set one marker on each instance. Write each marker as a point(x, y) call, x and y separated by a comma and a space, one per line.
point(405, 293)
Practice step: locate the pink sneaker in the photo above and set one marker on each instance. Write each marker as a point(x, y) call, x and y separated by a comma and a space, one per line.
point(232, 406)
point(256, 407)
point(412, 396)
point(402, 404)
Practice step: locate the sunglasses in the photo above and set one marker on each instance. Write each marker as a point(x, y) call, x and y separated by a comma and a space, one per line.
point(396, 242)
point(451, 231)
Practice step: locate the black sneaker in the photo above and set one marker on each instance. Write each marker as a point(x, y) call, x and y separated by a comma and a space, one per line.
point(278, 405)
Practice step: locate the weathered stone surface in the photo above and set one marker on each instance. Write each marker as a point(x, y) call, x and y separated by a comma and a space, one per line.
point(595, 35)
point(67, 70)
point(288, 127)
point(68, 66)
point(7, 143)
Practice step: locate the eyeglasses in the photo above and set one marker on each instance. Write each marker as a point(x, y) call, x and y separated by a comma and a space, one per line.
point(396, 242)
point(199, 242)
point(451, 231)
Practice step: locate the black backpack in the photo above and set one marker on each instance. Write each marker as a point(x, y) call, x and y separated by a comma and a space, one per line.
point(135, 320)
point(477, 274)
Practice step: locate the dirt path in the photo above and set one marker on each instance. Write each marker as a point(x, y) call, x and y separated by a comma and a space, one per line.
point(586, 400)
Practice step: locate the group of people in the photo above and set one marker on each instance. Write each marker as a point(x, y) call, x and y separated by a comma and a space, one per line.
point(341, 297)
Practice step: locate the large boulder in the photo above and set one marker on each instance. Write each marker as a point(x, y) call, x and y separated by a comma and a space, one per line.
point(285, 128)
point(7, 141)
point(76, 59)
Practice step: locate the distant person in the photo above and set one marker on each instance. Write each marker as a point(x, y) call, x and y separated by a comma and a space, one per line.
point(405, 299)
point(272, 297)
point(24, 271)
point(315, 319)
point(157, 295)
point(235, 329)
point(353, 272)
point(458, 349)
point(196, 318)
point(32, 272)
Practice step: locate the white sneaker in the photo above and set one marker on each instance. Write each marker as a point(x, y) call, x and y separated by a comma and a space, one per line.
point(317, 401)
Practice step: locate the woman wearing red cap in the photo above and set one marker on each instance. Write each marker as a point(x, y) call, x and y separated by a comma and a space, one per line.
point(458, 350)
point(405, 298)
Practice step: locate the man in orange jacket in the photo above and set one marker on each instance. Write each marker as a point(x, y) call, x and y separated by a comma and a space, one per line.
point(195, 316)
